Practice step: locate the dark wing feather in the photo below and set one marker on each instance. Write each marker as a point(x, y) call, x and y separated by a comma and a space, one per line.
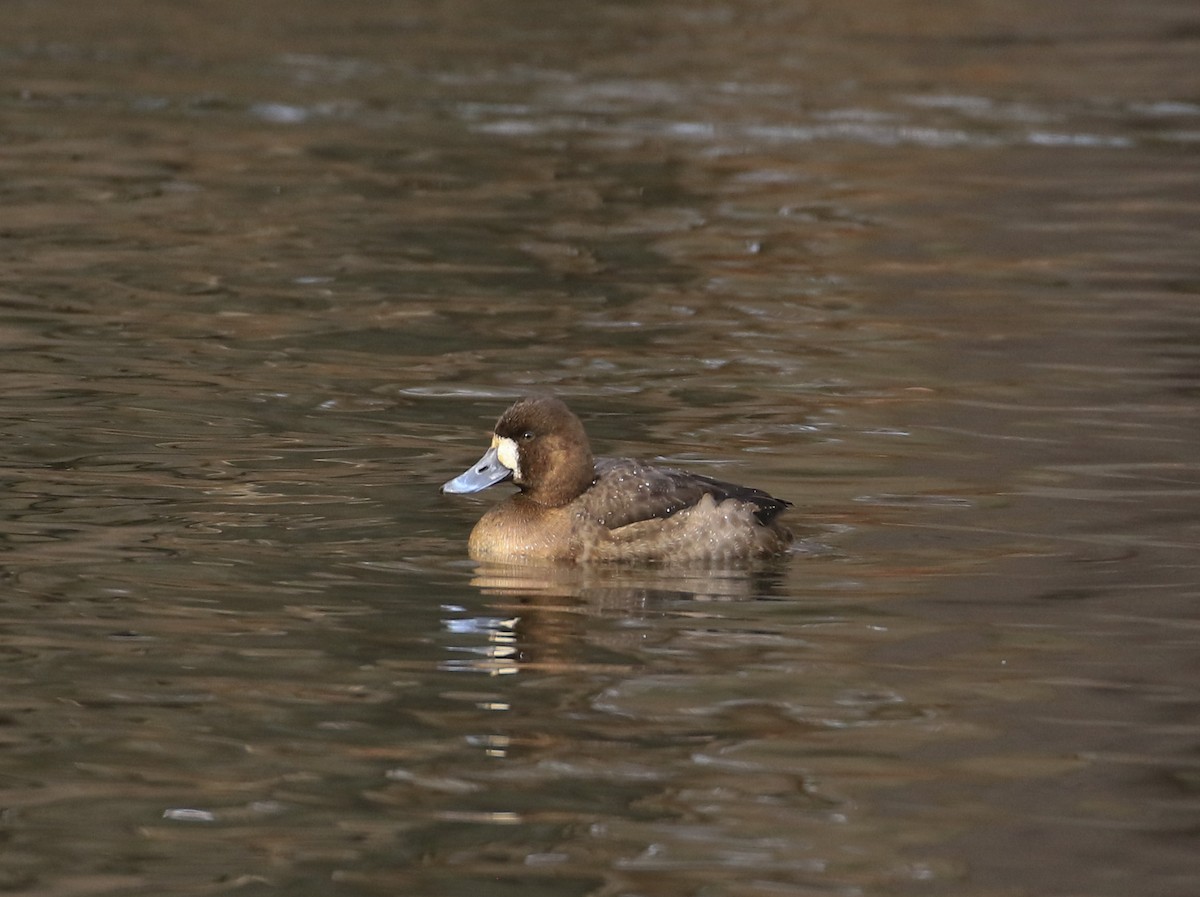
point(627, 491)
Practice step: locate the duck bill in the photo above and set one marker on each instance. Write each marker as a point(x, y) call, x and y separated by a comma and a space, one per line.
point(487, 471)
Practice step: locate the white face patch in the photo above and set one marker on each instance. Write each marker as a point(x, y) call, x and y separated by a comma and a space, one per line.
point(508, 455)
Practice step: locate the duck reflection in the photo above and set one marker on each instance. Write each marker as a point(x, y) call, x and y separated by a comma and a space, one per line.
point(545, 617)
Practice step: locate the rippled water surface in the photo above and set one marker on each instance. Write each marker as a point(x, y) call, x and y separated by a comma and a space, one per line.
point(270, 272)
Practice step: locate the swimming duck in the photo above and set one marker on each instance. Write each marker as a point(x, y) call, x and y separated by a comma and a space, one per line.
point(574, 507)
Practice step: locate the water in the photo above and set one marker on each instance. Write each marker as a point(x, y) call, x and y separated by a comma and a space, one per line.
point(271, 272)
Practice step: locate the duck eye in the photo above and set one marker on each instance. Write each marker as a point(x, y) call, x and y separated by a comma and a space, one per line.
point(527, 435)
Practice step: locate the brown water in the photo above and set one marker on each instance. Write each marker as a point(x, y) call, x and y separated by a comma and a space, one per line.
point(271, 270)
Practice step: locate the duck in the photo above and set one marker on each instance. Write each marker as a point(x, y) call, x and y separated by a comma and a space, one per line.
point(574, 507)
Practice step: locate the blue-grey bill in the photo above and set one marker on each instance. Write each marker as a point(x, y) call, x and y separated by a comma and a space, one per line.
point(487, 471)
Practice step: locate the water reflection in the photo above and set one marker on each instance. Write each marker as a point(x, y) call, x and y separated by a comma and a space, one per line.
point(640, 666)
point(541, 612)
point(767, 788)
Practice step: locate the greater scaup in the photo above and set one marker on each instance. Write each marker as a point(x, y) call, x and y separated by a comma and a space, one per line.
point(573, 507)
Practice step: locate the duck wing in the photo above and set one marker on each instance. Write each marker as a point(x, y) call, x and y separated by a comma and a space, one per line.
point(628, 491)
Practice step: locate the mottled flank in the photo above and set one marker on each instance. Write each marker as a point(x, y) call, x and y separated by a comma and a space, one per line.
point(627, 491)
point(572, 507)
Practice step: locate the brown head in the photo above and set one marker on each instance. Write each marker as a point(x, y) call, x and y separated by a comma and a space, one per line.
point(540, 445)
point(546, 448)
